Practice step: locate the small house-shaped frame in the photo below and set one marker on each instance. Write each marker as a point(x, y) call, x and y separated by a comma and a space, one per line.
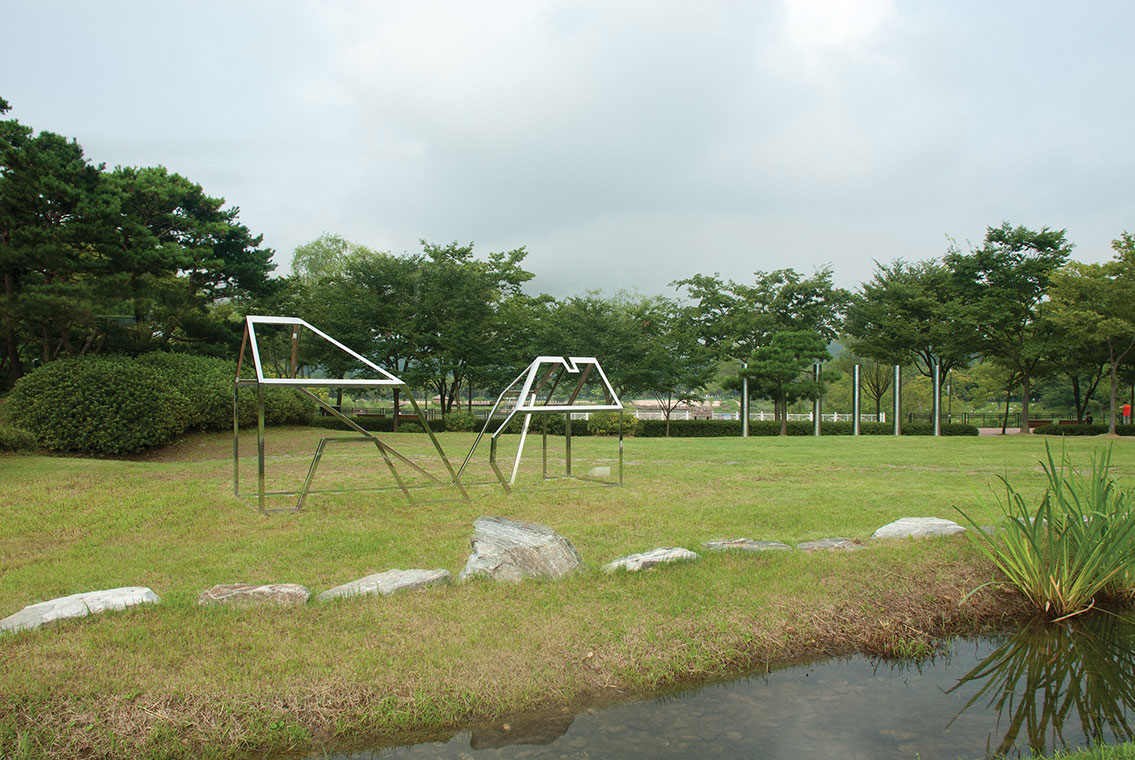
point(534, 391)
point(379, 378)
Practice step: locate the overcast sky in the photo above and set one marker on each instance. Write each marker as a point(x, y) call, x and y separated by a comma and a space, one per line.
point(625, 144)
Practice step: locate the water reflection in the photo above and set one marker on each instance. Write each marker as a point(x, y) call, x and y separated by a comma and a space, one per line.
point(1044, 688)
point(1050, 680)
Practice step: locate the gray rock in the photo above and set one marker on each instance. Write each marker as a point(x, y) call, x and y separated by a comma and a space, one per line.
point(511, 551)
point(78, 605)
point(283, 594)
point(663, 555)
point(745, 545)
point(387, 583)
point(825, 544)
point(599, 472)
point(918, 527)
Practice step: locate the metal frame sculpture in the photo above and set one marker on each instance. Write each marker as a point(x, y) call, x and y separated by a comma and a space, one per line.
point(384, 380)
point(532, 392)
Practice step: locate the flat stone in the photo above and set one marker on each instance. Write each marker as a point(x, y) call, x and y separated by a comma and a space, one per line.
point(599, 472)
point(830, 544)
point(632, 563)
point(506, 550)
point(918, 527)
point(77, 605)
point(745, 545)
point(283, 594)
point(387, 583)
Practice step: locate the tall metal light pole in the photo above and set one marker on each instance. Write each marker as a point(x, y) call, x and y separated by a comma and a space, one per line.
point(950, 395)
point(936, 407)
point(816, 401)
point(855, 403)
point(898, 400)
point(744, 401)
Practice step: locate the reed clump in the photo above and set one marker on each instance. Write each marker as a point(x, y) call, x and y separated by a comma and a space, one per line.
point(1075, 549)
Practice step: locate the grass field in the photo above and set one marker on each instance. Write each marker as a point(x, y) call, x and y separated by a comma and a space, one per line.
point(178, 679)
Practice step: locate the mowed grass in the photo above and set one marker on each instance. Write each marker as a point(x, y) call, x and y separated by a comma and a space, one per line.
point(178, 678)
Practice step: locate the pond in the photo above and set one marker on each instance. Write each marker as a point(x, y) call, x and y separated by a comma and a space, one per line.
point(1045, 687)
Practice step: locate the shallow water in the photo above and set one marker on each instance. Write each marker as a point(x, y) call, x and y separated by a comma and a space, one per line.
point(1043, 688)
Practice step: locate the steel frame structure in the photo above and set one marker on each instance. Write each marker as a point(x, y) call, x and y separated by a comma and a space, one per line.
point(532, 391)
point(260, 382)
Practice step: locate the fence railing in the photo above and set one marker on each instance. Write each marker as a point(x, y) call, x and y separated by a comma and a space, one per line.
point(977, 419)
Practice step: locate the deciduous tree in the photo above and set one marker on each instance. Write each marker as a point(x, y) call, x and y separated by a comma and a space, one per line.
point(1094, 302)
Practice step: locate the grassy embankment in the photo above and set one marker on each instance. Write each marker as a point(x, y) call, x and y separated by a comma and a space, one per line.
point(180, 679)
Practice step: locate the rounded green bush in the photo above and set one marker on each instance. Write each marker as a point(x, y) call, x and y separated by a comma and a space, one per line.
point(206, 382)
point(98, 405)
point(16, 439)
point(607, 423)
point(460, 422)
point(285, 406)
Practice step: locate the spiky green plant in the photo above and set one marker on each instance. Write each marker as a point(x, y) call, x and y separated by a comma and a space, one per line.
point(1075, 549)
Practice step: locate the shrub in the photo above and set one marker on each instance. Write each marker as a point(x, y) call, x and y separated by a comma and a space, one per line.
point(732, 428)
point(372, 424)
point(283, 406)
point(1076, 547)
point(119, 405)
point(16, 439)
point(460, 422)
point(925, 428)
point(1083, 429)
point(689, 428)
point(99, 405)
point(207, 384)
point(607, 423)
point(555, 424)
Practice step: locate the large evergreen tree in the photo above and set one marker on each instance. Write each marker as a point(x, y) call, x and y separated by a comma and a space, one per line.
point(125, 260)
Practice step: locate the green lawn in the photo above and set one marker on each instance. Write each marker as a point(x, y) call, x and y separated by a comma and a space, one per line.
point(177, 678)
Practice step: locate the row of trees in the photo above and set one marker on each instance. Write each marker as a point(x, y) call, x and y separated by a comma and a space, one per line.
point(449, 321)
point(131, 260)
point(1016, 302)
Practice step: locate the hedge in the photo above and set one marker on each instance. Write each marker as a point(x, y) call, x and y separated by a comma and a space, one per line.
point(121, 405)
point(97, 405)
point(1083, 429)
point(207, 384)
point(607, 425)
point(732, 428)
point(373, 424)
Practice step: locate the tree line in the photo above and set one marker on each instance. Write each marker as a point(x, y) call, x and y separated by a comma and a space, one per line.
point(132, 260)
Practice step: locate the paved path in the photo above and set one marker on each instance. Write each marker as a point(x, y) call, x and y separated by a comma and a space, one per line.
point(997, 431)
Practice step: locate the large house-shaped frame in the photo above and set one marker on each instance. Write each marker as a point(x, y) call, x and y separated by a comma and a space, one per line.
point(550, 385)
point(372, 377)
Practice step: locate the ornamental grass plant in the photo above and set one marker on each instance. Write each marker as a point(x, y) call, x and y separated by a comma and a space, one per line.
point(1075, 548)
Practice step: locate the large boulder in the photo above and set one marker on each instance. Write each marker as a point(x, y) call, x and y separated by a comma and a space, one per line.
point(78, 605)
point(282, 594)
point(745, 545)
point(505, 550)
point(918, 527)
point(387, 583)
point(663, 555)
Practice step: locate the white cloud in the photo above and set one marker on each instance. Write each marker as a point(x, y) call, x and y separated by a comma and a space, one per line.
point(828, 23)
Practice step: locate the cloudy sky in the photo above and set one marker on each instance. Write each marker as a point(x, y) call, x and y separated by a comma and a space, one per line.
point(625, 144)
